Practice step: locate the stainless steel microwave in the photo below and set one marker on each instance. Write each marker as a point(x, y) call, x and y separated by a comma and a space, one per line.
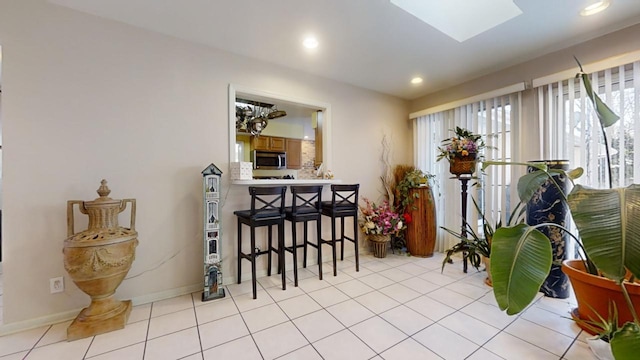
point(269, 160)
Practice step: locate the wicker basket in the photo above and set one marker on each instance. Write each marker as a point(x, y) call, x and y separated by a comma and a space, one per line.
point(463, 165)
point(379, 243)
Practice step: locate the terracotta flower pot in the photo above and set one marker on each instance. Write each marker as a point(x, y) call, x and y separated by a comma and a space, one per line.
point(595, 292)
point(487, 267)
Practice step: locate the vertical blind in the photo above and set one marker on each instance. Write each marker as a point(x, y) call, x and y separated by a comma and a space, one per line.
point(571, 130)
point(497, 119)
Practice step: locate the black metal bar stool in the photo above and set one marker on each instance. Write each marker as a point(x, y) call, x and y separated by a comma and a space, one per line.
point(269, 212)
point(305, 207)
point(343, 204)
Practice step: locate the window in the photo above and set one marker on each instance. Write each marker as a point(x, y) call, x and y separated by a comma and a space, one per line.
point(572, 130)
point(497, 120)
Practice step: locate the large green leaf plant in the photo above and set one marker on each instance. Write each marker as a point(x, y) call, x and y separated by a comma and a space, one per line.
point(608, 223)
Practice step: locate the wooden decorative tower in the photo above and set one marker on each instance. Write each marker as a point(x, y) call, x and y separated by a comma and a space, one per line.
point(212, 233)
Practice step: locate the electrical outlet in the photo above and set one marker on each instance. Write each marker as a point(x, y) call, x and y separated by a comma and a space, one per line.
point(56, 285)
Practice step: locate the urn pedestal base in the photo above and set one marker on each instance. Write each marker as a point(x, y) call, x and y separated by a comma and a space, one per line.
point(103, 315)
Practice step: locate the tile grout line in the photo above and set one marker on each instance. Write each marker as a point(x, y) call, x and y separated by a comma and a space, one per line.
point(433, 321)
point(502, 330)
point(570, 346)
point(245, 323)
point(222, 343)
point(195, 314)
point(325, 309)
point(36, 343)
point(375, 314)
point(479, 346)
point(439, 286)
point(146, 337)
point(88, 347)
point(296, 326)
point(529, 342)
point(464, 280)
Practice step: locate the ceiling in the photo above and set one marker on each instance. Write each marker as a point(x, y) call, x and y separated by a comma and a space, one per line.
point(372, 44)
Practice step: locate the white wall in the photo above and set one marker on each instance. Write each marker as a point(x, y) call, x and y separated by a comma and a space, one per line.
point(86, 98)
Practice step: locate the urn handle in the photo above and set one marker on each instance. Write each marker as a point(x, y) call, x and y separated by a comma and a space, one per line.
point(123, 206)
point(70, 203)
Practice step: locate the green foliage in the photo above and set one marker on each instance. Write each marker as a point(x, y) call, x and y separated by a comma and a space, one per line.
point(519, 254)
point(606, 116)
point(625, 343)
point(518, 268)
point(413, 179)
point(472, 244)
point(605, 328)
point(608, 221)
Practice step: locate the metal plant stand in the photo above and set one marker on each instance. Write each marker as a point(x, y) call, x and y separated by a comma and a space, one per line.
point(464, 186)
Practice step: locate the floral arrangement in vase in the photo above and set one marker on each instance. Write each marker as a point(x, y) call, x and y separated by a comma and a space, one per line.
point(464, 143)
point(462, 150)
point(380, 219)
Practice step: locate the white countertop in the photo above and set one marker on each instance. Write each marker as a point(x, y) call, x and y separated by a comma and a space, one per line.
point(286, 182)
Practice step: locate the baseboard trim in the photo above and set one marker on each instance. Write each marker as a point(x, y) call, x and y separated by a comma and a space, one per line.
point(6, 329)
point(166, 294)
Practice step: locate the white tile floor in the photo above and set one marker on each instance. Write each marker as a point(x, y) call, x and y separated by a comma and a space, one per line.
point(398, 307)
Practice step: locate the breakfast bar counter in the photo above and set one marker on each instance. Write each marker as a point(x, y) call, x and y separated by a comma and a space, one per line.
point(274, 182)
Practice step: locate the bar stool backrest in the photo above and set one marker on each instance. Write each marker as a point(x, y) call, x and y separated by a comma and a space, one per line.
point(306, 199)
point(344, 198)
point(267, 202)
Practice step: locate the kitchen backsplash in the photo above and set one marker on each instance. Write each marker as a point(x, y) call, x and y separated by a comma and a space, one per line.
point(308, 171)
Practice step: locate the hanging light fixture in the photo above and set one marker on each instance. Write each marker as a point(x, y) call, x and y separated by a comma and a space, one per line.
point(253, 116)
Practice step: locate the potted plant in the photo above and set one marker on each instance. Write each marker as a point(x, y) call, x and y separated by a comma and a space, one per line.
point(477, 247)
point(462, 151)
point(608, 221)
point(379, 223)
point(412, 179)
point(414, 197)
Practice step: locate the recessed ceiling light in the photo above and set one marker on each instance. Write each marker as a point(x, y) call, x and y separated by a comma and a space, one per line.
point(416, 80)
point(595, 8)
point(310, 43)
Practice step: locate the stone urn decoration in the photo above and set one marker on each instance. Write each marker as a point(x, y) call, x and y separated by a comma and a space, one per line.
point(98, 259)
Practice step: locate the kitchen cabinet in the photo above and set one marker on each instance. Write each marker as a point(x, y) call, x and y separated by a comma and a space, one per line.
point(294, 153)
point(278, 144)
point(269, 143)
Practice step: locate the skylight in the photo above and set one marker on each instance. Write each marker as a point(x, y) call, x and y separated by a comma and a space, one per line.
point(461, 19)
